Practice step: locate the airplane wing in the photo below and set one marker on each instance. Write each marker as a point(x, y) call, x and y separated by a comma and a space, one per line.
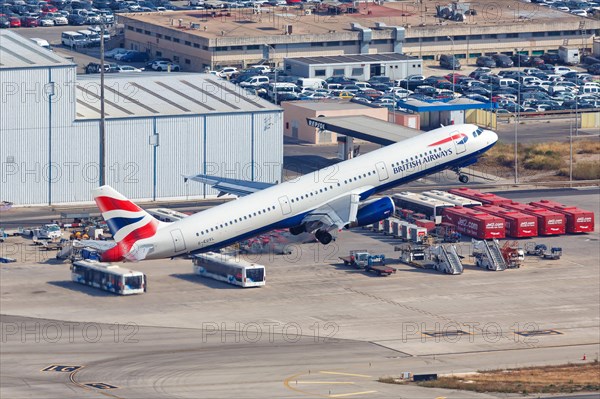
point(335, 214)
point(230, 186)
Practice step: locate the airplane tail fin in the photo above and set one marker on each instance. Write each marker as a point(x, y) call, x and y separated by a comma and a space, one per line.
point(127, 222)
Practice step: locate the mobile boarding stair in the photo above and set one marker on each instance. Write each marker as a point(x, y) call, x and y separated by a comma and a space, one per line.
point(447, 260)
point(488, 254)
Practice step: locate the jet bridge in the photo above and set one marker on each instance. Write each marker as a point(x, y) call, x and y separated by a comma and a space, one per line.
point(363, 128)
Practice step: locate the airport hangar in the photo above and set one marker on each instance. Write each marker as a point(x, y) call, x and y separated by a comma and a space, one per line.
point(200, 39)
point(159, 126)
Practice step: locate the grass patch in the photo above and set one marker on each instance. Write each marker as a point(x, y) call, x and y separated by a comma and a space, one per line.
point(548, 379)
point(544, 157)
point(584, 170)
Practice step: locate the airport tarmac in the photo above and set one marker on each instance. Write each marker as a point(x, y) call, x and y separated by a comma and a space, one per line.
point(317, 329)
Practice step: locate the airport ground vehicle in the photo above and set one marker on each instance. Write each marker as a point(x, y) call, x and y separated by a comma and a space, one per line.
point(362, 259)
point(542, 251)
point(228, 269)
point(430, 207)
point(487, 254)
point(46, 232)
point(166, 215)
point(108, 277)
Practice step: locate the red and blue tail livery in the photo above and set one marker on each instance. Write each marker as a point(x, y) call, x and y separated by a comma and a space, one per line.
point(127, 222)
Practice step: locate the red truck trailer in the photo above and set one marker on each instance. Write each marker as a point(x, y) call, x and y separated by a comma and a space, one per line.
point(518, 224)
point(578, 220)
point(485, 198)
point(549, 222)
point(474, 223)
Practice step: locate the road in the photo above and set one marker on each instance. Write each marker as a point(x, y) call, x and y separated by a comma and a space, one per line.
point(538, 131)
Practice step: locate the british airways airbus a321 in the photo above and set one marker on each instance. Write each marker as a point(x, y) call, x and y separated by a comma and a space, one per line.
point(321, 202)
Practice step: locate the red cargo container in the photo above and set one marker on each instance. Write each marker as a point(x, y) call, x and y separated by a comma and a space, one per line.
point(578, 220)
point(486, 198)
point(426, 223)
point(518, 224)
point(549, 222)
point(474, 223)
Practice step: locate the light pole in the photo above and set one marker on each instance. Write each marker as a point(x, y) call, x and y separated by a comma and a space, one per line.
point(517, 113)
point(102, 177)
point(269, 48)
point(453, 62)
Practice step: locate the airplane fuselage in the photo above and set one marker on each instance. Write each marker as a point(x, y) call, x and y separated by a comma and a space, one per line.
point(286, 204)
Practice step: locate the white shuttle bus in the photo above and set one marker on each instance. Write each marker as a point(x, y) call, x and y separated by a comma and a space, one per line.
point(108, 277)
point(231, 270)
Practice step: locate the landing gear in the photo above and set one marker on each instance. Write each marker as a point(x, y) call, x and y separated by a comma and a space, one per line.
point(296, 230)
point(461, 176)
point(323, 236)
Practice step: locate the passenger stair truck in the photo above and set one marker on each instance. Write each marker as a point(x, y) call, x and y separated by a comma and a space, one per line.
point(487, 254)
point(446, 259)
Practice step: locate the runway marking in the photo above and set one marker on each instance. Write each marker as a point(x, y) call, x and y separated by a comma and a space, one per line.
point(534, 333)
point(87, 388)
point(288, 380)
point(450, 333)
point(352, 375)
point(100, 385)
point(326, 382)
point(61, 368)
point(343, 395)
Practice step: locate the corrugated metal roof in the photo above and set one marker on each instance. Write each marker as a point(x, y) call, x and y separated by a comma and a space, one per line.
point(330, 104)
point(358, 58)
point(457, 104)
point(161, 93)
point(19, 52)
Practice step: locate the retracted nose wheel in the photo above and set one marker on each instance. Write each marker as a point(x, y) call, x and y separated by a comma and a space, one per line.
point(463, 179)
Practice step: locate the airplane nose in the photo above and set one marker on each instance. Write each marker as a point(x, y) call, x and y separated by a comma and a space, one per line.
point(492, 136)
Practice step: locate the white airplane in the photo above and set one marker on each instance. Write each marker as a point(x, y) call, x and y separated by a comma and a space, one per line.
point(321, 202)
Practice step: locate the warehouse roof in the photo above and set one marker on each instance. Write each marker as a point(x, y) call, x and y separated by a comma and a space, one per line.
point(19, 52)
point(359, 58)
point(162, 93)
point(457, 104)
point(329, 104)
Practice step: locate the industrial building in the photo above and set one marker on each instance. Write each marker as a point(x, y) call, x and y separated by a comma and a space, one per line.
point(159, 127)
point(199, 39)
point(360, 66)
point(297, 113)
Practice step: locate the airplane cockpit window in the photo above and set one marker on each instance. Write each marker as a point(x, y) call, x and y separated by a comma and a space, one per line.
point(477, 132)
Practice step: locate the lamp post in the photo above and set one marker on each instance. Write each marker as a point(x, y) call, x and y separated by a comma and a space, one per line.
point(269, 48)
point(453, 61)
point(102, 166)
point(517, 113)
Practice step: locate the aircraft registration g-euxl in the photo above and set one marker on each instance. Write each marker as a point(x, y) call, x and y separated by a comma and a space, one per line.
point(322, 202)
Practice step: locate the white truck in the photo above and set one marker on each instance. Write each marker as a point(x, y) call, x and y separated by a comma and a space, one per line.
point(568, 56)
point(47, 232)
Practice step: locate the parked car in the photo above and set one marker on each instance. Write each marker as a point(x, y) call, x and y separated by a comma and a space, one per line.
point(485, 61)
point(535, 61)
point(551, 58)
point(135, 56)
point(449, 61)
point(29, 22)
point(520, 60)
point(4, 22)
point(594, 69)
point(227, 72)
point(14, 22)
point(127, 69)
point(503, 61)
point(165, 66)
